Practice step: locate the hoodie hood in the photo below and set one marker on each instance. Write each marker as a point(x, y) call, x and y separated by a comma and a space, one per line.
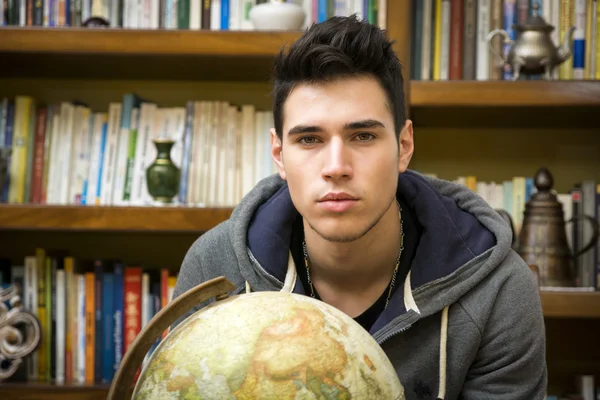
point(459, 232)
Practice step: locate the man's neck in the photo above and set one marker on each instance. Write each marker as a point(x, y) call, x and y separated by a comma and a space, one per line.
point(352, 276)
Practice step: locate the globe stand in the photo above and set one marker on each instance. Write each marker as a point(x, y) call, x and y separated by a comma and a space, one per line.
point(125, 375)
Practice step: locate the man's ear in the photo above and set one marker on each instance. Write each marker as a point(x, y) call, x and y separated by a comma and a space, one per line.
point(276, 153)
point(406, 146)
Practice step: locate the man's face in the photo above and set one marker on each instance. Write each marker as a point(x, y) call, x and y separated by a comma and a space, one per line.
point(340, 155)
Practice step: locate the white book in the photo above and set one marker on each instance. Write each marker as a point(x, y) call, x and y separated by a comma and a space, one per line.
point(482, 72)
point(238, 156)
point(30, 302)
point(221, 136)
point(60, 325)
point(235, 17)
point(98, 121)
point(110, 153)
point(215, 15)
point(143, 146)
point(154, 14)
point(382, 15)
point(81, 319)
point(213, 172)
point(121, 158)
point(195, 13)
point(53, 173)
point(201, 152)
point(80, 155)
point(231, 151)
point(270, 166)
point(257, 149)
point(192, 177)
point(249, 139)
point(74, 188)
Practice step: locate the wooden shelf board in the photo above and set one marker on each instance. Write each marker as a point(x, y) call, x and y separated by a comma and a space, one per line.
point(91, 218)
point(570, 304)
point(132, 54)
point(51, 391)
point(478, 94)
point(143, 41)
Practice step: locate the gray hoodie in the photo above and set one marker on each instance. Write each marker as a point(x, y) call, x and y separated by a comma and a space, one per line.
point(467, 322)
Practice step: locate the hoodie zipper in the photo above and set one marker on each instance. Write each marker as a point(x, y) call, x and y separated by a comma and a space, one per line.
point(401, 327)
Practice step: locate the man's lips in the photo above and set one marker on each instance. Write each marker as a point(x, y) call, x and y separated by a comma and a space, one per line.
point(337, 196)
point(337, 202)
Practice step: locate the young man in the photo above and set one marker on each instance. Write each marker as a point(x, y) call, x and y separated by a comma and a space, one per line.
point(423, 264)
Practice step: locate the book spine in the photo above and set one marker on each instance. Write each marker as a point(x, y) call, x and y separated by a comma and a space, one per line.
point(579, 42)
point(509, 20)
point(38, 158)
point(456, 39)
point(98, 343)
point(90, 327)
point(60, 338)
point(567, 10)
point(31, 304)
point(108, 354)
point(118, 305)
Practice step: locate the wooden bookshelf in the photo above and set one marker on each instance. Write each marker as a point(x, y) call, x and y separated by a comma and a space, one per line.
point(116, 219)
point(48, 391)
point(143, 41)
point(505, 94)
point(139, 54)
point(570, 304)
point(505, 104)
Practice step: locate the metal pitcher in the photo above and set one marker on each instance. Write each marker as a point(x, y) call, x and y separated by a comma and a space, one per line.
point(542, 239)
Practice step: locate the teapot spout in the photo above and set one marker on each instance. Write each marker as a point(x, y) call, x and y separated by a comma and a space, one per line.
point(566, 47)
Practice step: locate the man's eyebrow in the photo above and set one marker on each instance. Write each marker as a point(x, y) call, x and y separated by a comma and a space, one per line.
point(363, 124)
point(298, 129)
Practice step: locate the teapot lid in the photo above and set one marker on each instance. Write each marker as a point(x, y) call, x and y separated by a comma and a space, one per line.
point(545, 196)
point(535, 22)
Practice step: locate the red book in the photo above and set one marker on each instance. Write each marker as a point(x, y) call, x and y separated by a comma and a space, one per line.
point(456, 39)
point(132, 296)
point(35, 195)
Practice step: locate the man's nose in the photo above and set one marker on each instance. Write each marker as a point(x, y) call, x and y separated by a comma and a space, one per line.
point(338, 160)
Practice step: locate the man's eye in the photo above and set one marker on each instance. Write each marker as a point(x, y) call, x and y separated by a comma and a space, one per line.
point(308, 140)
point(365, 136)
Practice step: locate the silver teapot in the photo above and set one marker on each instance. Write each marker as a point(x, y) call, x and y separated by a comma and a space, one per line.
point(533, 52)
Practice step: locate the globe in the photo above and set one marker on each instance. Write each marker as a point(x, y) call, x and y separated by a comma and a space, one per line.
point(268, 345)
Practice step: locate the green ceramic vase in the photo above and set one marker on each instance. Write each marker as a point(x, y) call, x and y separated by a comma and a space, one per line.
point(162, 176)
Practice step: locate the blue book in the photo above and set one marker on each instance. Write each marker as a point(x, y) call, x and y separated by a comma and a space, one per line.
point(117, 334)
point(108, 328)
point(8, 135)
point(225, 15)
point(187, 152)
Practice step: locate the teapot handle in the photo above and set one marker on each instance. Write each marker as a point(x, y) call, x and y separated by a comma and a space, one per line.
point(595, 233)
point(507, 40)
point(125, 375)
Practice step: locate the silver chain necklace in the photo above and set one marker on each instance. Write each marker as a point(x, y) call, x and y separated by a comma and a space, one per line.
point(392, 282)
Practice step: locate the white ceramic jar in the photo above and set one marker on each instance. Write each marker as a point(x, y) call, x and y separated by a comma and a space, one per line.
point(277, 15)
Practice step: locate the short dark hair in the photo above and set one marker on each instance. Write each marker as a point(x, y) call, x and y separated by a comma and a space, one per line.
point(340, 47)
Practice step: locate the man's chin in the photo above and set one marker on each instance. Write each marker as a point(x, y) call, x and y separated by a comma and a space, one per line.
point(339, 234)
